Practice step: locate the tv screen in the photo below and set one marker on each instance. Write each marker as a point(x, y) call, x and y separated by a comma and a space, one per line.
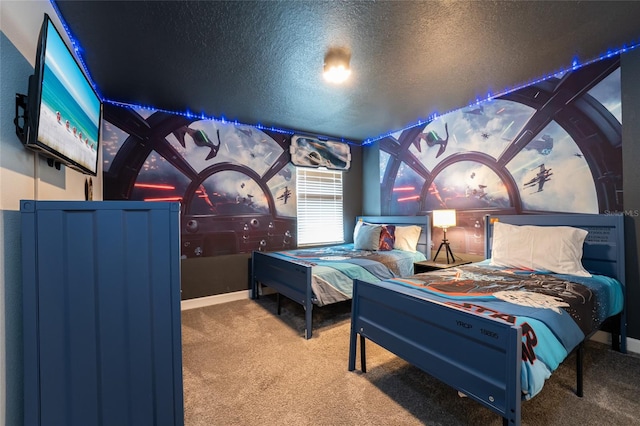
point(64, 109)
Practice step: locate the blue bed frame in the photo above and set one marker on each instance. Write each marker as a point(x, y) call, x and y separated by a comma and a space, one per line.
point(293, 280)
point(478, 356)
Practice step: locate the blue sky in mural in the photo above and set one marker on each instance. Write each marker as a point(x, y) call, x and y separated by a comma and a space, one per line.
point(608, 93)
point(232, 192)
point(208, 143)
point(467, 185)
point(469, 158)
point(570, 187)
point(488, 128)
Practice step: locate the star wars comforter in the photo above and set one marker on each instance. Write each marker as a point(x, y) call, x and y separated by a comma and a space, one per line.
point(555, 312)
point(334, 268)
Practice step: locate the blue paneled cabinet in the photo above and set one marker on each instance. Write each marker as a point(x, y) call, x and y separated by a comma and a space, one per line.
point(101, 297)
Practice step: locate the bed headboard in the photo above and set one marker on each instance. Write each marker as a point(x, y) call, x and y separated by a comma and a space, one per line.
point(424, 242)
point(603, 251)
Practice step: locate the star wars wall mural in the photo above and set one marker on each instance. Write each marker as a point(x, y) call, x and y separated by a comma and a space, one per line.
point(554, 146)
point(235, 183)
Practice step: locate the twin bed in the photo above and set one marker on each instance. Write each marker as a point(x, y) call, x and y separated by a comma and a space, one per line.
point(321, 276)
point(494, 330)
point(497, 333)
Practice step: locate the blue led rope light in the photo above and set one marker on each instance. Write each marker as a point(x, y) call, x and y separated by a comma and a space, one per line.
point(188, 114)
point(76, 48)
point(575, 64)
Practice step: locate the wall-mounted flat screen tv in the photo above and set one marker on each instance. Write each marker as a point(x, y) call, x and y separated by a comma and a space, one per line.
point(62, 110)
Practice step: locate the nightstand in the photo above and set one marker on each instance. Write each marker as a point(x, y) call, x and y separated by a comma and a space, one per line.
point(430, 265)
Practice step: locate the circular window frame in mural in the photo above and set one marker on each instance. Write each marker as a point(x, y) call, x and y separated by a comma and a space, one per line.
point(201, 235)
point(563, 99)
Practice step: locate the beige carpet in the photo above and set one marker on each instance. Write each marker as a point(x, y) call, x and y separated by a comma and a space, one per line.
point(244, 365)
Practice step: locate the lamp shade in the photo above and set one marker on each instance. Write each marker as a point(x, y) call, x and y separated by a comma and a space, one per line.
point(444, 218)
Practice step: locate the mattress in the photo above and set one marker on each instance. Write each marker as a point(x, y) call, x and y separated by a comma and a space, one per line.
point(334, 268)
point(555, 312)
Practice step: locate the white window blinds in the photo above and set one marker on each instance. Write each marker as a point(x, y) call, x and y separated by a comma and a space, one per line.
point(319, 200)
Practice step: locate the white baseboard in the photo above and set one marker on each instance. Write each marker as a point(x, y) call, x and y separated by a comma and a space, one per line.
point(201, 302)
point(633, 345)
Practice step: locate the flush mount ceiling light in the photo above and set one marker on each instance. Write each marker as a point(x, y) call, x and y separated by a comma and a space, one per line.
point(336, 64)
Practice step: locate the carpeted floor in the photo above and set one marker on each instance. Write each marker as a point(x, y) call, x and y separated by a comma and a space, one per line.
point(244, 365)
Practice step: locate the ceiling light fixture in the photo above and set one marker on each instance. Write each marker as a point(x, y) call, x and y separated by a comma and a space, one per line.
point(336, 64)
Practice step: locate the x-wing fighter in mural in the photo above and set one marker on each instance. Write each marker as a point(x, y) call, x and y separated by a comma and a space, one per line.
point(285, 195)
point(432, 139)
point(543, 175)
point(200, 138)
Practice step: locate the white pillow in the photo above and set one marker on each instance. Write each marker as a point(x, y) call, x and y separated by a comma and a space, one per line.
point(407, 238)
point(556, 249)
point(357, 228)
point(368, 237)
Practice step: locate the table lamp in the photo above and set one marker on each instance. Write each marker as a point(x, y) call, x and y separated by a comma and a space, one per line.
point(444, 219)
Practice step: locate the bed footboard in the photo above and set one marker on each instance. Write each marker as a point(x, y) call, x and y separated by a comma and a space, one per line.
point(477, 355)
point(290, 279)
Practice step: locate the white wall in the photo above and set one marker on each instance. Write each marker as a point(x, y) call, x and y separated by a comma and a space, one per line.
point(23, 175)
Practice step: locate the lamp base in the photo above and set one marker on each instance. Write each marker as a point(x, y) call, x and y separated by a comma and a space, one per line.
point(445, 244)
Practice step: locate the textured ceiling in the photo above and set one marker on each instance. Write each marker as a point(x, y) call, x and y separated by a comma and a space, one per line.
point(260, 62)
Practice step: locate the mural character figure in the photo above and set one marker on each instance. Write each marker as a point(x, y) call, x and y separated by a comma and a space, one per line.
point(476, 192)
point(477, 111)
point(200, 138)
point(543, 145)
point(433, 139)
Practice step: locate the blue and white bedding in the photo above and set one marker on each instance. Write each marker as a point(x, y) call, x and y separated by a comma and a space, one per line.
point(556, 312)
point(334, 268)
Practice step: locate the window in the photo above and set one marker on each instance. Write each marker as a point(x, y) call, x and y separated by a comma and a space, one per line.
point(319, 206)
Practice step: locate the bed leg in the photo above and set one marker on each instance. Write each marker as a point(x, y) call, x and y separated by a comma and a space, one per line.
point(278, 304)
point(352, 350)
point(308, 312)
point(615, 342)
point(363, 355)
point(505, 421)
point(579, 362)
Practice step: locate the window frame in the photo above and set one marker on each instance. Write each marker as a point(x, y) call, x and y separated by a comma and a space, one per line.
point(320, 206)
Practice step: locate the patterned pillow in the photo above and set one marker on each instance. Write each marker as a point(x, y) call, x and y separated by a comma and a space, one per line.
point(387, 237)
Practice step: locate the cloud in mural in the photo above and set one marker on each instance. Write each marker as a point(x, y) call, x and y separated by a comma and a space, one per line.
point(238, 144)
point(497, 152)
point(570, 188)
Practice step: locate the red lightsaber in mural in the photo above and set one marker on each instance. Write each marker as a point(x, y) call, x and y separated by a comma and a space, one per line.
point(403, 188)
point(164, 199)
point(412, 198)
point(154, 186)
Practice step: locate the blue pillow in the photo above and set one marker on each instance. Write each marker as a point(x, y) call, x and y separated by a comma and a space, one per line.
point(368, 237)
